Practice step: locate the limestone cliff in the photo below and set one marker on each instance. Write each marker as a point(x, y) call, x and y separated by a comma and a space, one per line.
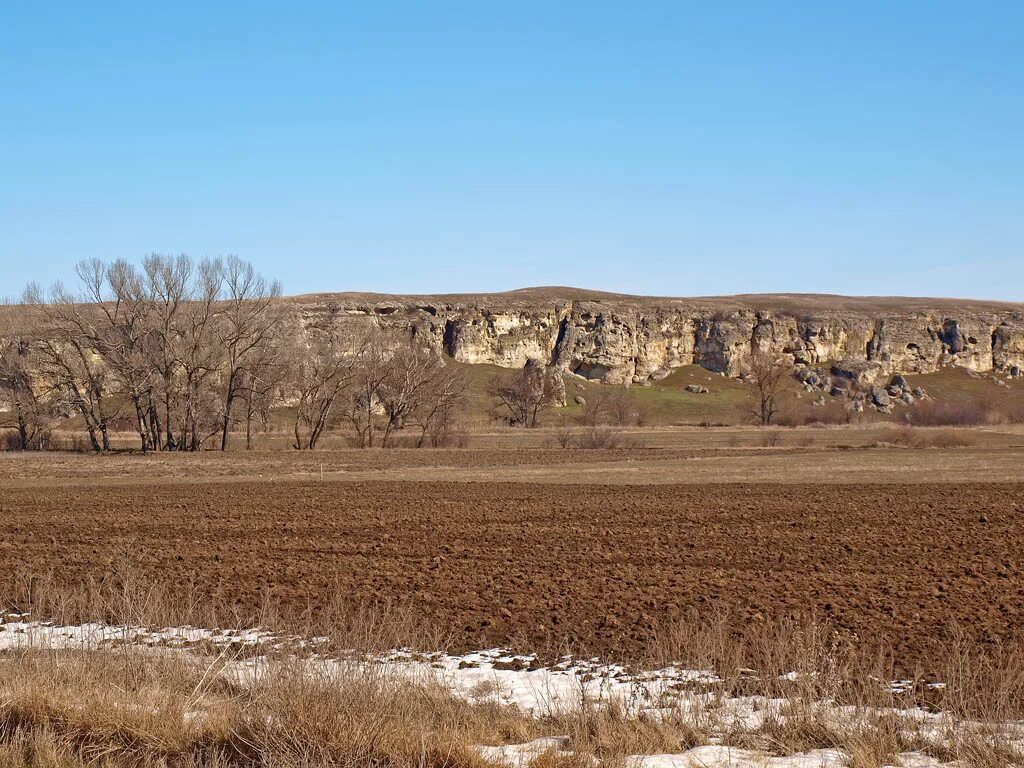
point(625, 339)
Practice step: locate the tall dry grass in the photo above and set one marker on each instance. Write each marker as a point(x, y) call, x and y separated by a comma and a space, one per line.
point(158, 709)
point(835, 692)
point(811, 685)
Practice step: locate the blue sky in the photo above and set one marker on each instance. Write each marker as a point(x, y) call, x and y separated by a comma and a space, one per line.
point(668, 148)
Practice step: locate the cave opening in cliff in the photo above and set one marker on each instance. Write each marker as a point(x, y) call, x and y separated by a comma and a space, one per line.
point(448, 338)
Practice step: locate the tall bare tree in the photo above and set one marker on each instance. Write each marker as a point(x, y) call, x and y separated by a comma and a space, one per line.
point(245, 321)
point(28, 411)
point(321, 375)
point(262, 380)
point(412, 373)
point(198, 357)
point(768, 373)
point(117, 329)
point(439, 412)
point(69, 364)
point(168, 283)
point(363, 407)
point(524, 394)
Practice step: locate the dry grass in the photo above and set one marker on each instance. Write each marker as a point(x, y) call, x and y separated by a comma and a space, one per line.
point(144, 707)
point(918, 437)
point(836, 694)
point(150, 707)
point(140, 709)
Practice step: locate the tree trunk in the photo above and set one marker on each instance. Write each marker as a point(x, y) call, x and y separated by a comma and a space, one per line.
point(140, 418)
point(167, 417)
point(227, 415)
point(23, 436)
point(92, 438)
point(248, 428)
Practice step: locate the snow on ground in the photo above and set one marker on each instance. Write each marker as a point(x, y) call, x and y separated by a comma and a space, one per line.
point(497, 675)
point(549, 690)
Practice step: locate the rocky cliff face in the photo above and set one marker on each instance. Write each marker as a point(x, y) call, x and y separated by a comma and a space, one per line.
point(635, 340)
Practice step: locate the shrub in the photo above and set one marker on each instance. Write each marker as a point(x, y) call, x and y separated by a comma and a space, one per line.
point(957, 413)
point(911, 437)
point(598, 437)
point(611, 405)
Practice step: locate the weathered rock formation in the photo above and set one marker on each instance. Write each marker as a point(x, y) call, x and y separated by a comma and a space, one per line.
point(625, 339)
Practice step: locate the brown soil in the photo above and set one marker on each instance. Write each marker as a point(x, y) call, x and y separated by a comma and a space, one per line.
point(539, 565)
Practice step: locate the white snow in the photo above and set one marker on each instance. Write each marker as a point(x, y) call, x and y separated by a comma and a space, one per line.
point(713, 756)
point(520, 755)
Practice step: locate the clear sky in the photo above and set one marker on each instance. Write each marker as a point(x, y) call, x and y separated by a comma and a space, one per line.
point(669, 148)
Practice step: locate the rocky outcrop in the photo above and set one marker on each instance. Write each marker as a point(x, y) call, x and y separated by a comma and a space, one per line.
point(625, 339)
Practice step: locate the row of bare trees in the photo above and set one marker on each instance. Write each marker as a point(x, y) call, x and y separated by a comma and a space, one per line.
point(189, 352)
point(378, 387)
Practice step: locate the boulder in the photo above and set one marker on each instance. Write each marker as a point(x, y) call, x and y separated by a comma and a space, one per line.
point(863, 373)
point(880, 397)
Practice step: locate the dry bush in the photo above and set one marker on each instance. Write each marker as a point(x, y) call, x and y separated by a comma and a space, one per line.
point(790, 732)
point(771, 438)
point(611, 405)
point(605, 730)
point(950, 438)
point(875, 740)
point(798, 659)
point(809, 415)
point(1013, 413)
point(599, 437)
point(981, 682)
point(802, 440)
point(564, 436)
point(596, 437)
point(958, 413)
point(911, 437)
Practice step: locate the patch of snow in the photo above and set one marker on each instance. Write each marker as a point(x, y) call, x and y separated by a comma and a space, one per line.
point(521, 755)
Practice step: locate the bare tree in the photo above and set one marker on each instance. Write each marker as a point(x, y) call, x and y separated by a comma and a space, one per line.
point(261, 386)
point(117, 329)
point(768, 373)
point(363, 408)
point(246, 322)
point(69, 365)
point(611, 405)
point(523, 395)
point(198, 356)
point(320, 375)
point(27, 412)
point(412, 372)
point(439, 412)
point(167, 284)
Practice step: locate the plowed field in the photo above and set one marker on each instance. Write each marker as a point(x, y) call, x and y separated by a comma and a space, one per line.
point(594, 566)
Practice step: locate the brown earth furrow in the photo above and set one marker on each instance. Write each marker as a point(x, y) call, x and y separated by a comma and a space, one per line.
point(594, 567)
